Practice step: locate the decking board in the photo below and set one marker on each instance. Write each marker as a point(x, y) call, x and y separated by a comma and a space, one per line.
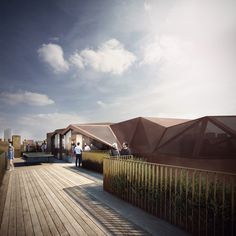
point(82, 218)
point(6, 213)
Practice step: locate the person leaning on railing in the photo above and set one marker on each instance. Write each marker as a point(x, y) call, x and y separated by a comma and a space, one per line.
point(10, 156)
point(125, 151)
point(114, 150)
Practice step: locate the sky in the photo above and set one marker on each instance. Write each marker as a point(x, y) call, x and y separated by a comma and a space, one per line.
point(72, 61)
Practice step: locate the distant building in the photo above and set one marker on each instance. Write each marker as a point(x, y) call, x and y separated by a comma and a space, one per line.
point(16, 141)
point(7, 134)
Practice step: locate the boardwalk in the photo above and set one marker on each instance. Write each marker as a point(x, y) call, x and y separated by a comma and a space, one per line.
point(50, 200)
point(59, 199)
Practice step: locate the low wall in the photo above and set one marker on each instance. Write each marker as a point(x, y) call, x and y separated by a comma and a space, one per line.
point(93, 160)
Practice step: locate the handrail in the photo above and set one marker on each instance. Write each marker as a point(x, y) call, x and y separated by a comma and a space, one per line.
point(3, 165)
point(178, 167)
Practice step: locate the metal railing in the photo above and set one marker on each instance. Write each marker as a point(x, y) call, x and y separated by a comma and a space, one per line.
point(3, 166)
point(199, 201)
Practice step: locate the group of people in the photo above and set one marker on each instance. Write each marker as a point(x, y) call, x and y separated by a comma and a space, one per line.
point(77, 150)
point(123, 152)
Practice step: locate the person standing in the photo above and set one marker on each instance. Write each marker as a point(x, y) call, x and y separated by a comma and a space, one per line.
point(43, 146)
point(10, 156)
point(78, 154)
point(114, 150)
point(86, 148)
point(125, 149)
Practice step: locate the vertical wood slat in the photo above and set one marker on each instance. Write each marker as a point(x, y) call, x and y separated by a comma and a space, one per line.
point(193, 195)
point(180, 195)
point(206, 210)
point(136, 184)
point(153, 189)
point(175, 209)
point(199, 203)
point(149, 188)
point(165, 186)
point(131, 181)
point(170, 196)
point(161, 192)
point(232, 206)
point(186, 200)
point(157, 189)
point(214, 219)
point(146, 185)
point(223, 204)
point(142, 185)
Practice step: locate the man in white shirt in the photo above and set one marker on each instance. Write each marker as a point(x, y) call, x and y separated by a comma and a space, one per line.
point(78, 154)
point(86, 148)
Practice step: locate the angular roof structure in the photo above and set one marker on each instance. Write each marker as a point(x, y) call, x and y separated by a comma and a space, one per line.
point(100, 132)
point(143, 133)
point(210, 136)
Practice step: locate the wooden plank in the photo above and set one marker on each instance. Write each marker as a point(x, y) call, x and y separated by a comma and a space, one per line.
point(20, 229)
point(45, 210)
point(3, 194)
point(83, 219)
point(34, 217)
point(44, 226)
point(69, 222)
point(25, 209)
point(74, 178)
point(6, 212)
point(56, 220)
point(12, 214)
point(65, 178)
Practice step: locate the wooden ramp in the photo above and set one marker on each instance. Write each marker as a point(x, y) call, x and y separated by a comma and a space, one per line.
point(49, 199)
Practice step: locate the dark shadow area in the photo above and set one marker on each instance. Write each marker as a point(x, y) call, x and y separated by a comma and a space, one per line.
point(110, 220)
point(23, 163)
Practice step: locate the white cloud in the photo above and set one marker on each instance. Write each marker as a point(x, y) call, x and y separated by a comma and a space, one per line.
point(166, 49)
point(52, 54)
point(30, 98)
point(77, 60)
point(101, 104)
point(147, 5)
point(111, 57)
point(108, 105)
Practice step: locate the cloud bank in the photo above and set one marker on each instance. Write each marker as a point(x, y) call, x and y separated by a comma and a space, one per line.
point(25, 97)
point(110, 57)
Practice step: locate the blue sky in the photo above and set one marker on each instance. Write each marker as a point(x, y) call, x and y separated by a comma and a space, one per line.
point(74, 61)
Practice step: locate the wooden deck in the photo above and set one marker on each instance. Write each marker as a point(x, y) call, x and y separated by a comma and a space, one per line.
point(50, 199)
